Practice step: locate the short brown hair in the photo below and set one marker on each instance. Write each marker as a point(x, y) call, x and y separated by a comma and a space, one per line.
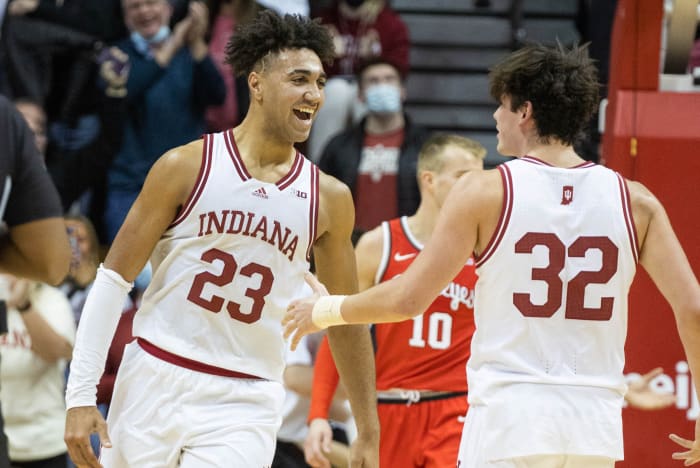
point(562, 85)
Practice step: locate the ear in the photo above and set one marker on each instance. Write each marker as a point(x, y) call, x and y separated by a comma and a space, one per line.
point(255, 86)
point(526, 111)
point(425, 179)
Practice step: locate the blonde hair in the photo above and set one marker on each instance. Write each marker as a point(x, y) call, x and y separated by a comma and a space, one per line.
point(429, 157)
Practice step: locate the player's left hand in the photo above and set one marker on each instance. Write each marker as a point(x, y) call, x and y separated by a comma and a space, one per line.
point(317, 444)
point(297, 321)
point(692, 456)
point(640, 394)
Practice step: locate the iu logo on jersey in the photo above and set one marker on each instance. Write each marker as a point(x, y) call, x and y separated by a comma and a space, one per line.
point(567, 194)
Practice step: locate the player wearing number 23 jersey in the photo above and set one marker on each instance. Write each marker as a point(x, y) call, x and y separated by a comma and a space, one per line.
point(207, 269)
point(228, 222)
point(551, 310)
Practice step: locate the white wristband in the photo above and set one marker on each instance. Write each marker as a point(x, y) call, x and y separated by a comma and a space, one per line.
point(326, 312)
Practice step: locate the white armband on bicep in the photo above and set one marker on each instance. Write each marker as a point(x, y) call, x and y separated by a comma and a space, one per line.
point(98, 323)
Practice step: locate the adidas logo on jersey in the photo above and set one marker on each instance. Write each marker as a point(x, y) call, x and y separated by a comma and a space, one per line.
point(261, 193)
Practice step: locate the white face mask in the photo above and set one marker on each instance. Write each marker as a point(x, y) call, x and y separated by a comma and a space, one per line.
point(143, 45)
point(383, 98)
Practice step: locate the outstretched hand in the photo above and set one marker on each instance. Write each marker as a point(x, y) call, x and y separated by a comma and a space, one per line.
point(692, 455)
point(640, 394)
point(297, 321)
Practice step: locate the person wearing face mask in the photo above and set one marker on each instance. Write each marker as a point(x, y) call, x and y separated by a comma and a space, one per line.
point(362, 30)
point(377, 158)
point(171, 81)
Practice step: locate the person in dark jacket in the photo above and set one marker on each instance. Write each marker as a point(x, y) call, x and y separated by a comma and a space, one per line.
point(377, 158)
point(172, 79)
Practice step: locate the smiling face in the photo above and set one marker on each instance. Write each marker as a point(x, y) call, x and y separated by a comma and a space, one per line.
point(289, 90)
point(146, 16)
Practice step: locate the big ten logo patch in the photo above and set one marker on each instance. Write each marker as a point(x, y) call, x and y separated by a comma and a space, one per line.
point(299, 193)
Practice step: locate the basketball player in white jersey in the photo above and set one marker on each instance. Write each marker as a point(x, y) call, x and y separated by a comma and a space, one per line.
point(557, 241)
point(229, 223)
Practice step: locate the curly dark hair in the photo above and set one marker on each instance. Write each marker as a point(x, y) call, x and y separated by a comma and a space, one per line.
point(562, 85)
point(270, 33)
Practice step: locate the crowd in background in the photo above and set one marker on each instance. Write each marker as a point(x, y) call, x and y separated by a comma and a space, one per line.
point(107, 87)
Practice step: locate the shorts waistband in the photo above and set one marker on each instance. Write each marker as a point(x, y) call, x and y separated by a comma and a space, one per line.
point(191, 364)
point(410, 397)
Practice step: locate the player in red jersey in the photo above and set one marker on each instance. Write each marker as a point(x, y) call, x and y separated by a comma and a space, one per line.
point(421, 362)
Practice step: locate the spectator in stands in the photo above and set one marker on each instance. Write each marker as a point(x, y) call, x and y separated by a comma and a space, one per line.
point(361, 30)
point(84, 261)
point(171, 82)
point(378, 157)
point(80, 167)
point(48, 49)
point(34, 353)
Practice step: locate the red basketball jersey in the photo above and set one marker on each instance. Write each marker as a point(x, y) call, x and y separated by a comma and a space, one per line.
point(430, 351)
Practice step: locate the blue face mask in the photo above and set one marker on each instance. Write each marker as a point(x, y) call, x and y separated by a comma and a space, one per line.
point(383, 98)
point(143, 45)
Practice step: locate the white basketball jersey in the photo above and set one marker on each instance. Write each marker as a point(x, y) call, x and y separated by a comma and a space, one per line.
point(551, 302)
point(228, 266)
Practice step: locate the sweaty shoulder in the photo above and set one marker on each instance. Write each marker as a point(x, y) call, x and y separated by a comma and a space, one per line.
point(336, 208)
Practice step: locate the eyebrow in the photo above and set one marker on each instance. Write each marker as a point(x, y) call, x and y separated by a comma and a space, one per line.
point(304, 71)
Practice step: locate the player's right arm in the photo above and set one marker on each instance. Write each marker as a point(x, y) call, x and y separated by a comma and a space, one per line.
point(662, 256)
point(165, 191)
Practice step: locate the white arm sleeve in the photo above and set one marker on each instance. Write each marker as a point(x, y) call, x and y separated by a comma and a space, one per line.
point(98, 323)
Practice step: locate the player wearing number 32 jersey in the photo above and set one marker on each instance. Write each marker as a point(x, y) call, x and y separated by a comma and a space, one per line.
point(229, 223)
point(548, 285)
point(557, 242)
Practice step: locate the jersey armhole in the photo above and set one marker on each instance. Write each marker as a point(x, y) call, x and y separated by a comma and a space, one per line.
point(313, 207)
point(504, 217)
point(629, 217)
point(386, 252)
point(204, 170)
